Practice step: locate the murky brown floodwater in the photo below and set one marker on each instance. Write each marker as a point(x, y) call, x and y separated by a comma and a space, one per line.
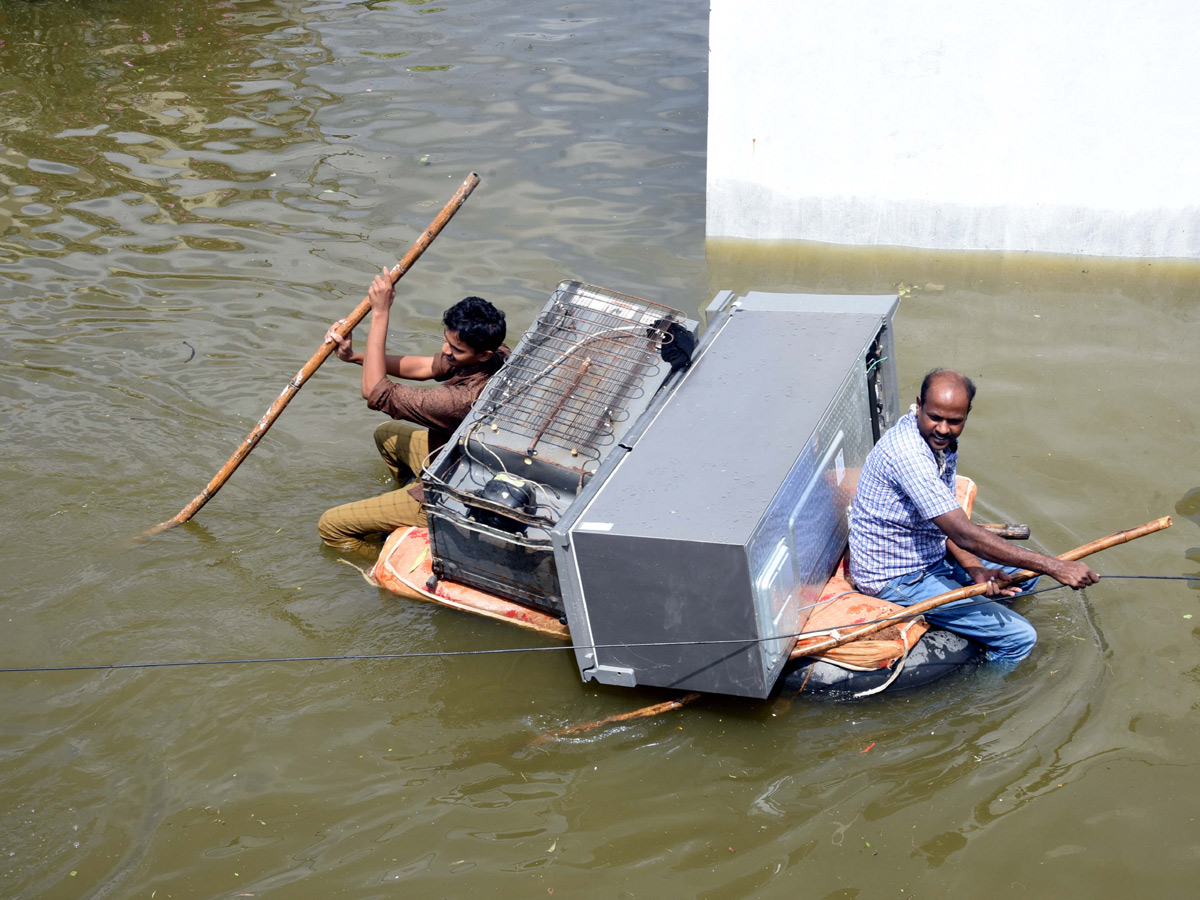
point(192, 191)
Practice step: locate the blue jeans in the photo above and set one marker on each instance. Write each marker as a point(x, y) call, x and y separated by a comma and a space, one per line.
point(1006, 635)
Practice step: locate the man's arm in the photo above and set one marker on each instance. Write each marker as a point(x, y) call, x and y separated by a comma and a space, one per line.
point(374, 363)
point(980, 572)
point(414, 368)
point(968, 542)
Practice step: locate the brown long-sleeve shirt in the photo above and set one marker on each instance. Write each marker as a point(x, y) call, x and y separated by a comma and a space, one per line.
point(441, 409)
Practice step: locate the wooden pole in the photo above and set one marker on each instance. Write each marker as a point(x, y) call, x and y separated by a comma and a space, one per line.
point(645, 712)
point(1008, 530)
point(916, 609)
point(314, 363)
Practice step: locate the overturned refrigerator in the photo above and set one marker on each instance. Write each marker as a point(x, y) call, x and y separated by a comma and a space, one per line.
point(681, 521)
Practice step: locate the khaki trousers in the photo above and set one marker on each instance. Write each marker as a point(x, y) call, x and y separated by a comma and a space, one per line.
point(354, 526)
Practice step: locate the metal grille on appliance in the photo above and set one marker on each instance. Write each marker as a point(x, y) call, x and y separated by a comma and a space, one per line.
point(585, 358)
point(575, 383)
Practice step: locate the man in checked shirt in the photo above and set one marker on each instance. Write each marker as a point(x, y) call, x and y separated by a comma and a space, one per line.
point(910, 540)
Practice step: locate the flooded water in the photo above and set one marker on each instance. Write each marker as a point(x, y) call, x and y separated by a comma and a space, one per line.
point(193, 191)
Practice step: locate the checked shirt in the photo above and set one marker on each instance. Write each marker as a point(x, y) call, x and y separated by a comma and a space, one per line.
point(903, 487)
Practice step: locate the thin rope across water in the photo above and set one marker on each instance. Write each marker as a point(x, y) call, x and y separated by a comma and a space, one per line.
point(445, 654)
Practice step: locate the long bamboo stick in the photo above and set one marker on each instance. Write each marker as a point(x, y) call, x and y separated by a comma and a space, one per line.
point(1096, 546)
point(314, 363)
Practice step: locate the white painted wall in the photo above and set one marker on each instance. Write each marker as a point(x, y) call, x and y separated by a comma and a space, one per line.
point(1070, 126)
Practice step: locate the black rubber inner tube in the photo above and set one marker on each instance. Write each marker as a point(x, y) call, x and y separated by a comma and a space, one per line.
point(937, 654)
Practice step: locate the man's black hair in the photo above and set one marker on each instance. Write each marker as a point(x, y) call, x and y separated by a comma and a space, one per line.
point(933, 373)
point(479, 324)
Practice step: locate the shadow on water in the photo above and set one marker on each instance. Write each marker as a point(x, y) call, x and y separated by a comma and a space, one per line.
point(934, 275)
point(1188, 507)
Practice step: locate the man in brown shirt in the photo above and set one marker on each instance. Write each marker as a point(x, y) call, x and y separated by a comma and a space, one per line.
point(473, 351)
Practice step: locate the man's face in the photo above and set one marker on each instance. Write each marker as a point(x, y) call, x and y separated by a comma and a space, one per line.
point(941, 418)
point(461, 354)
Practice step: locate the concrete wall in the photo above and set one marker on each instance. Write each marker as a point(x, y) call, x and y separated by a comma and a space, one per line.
point(1065, 127)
